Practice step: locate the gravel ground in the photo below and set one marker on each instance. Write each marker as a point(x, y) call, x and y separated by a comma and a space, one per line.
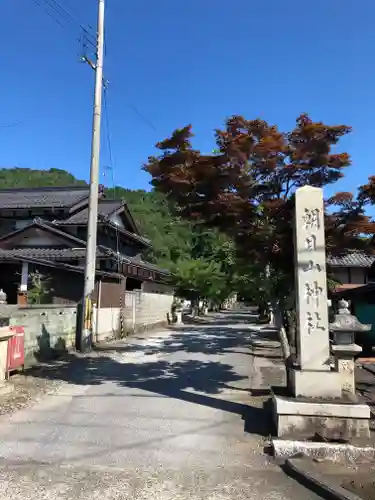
point(357, 478)
point(27, 389)
point(361, 486)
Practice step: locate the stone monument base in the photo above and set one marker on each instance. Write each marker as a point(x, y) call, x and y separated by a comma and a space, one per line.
point(332, 420)
point(315, 383)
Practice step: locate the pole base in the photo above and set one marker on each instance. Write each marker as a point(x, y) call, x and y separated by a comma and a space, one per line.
point(86, 341)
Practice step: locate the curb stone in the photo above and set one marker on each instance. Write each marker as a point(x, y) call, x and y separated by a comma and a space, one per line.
point(304, 472)
point(284, 449)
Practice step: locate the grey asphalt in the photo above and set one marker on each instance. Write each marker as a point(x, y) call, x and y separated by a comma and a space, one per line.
point(167, 416)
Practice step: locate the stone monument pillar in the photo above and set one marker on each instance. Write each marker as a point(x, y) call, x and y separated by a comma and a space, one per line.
point(315, 403)
point(310, 379)
point(311, 280)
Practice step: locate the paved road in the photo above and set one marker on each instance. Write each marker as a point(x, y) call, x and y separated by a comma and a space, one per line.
point(164, 417)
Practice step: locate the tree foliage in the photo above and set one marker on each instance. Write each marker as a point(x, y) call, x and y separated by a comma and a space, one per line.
point(198, 278)
point(39, 288)
point(32, 178)
point(246, 188)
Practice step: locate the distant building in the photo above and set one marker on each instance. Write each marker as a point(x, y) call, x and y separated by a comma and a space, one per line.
point(351, 270)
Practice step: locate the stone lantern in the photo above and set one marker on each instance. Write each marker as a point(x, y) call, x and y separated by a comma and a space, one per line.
point(344, 328)
point(346, 325)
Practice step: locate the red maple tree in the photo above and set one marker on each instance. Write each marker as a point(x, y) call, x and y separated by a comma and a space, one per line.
point(246, 189)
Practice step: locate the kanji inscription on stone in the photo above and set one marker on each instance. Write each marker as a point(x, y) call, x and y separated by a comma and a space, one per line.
point(311, 279)
point(313, 322)
point(311, 218)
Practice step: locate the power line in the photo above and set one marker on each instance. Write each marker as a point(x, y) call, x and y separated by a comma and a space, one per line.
point(78, 14)
point(55, 5)
point(38, 4)
point(107, 127)
point(135, 109)
point(71, 18)
point(111, 168)
point(63, 18)
point(61, 15)
point(60, 10)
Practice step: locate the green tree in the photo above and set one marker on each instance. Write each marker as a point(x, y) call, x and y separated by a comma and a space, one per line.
point(198, 279)
point(39, 288)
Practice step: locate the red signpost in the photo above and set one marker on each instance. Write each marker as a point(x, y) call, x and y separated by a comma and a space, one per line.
point(16, 349)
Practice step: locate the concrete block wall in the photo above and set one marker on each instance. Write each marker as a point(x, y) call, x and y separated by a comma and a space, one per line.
point(152, 309)
point(51, 328)
point(47, 328)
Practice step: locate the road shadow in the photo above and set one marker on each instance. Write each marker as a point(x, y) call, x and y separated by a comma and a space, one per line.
point(209, 340)
point(192, 381)
point(208, 382)
point(224, 318)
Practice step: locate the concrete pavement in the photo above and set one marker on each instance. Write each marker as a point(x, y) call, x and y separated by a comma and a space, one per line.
point(166, 417)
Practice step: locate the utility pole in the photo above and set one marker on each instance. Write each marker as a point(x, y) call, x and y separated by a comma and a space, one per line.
point(90, 264)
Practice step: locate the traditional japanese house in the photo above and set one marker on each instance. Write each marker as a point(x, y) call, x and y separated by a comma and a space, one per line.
point(44, 230)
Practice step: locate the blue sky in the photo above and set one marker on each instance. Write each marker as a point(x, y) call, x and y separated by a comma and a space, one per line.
point(184, 62)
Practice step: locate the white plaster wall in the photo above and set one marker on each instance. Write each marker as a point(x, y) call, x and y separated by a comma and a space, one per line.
point(106, 322)
point(141, 310)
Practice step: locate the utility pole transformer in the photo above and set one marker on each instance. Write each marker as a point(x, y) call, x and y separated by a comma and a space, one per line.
point(90, 264)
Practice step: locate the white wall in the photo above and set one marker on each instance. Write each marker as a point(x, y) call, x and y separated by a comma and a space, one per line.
point(106, 322)
point(141, 311)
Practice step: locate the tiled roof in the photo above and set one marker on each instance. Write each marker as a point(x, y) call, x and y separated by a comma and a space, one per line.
point(40, 223)
point(64, 265)
point(50, 197)
point(353, 259)
point(66, 254)
point(53, 254)
point(105, 209)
